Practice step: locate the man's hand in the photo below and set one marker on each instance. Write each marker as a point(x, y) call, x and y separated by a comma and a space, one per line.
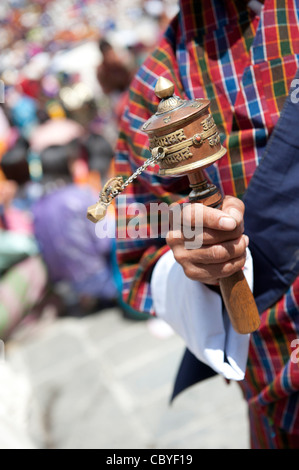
point(223, 250)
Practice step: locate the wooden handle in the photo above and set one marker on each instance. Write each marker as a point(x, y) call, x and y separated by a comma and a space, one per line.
point(237, 296)
point(239, 303)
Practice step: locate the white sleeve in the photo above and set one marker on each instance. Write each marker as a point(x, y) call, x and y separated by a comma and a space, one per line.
point(195, 313)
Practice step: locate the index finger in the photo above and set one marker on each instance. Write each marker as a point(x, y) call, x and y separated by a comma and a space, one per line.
point(211, 218)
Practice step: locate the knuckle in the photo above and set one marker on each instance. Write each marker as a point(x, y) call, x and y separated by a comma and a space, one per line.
point(240, 205)
point(180, 256)
point(243, 245)
point(240, 228)
point(233, 266)
point(234, 207)
point(226, 270)
point(196, 273)
point(191, 272)
point(173, 237)
point(240, 249)
point(218, 252)
point(235, 202)
point(242, 260)
point(235, 249)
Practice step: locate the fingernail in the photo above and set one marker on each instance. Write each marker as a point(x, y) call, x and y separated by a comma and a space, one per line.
point(246, 240)
point(227, 223)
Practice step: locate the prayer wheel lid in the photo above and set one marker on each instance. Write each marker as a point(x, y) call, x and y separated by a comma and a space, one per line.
point(172, 110)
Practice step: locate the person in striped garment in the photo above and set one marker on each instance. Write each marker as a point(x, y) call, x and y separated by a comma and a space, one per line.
point(243, 57)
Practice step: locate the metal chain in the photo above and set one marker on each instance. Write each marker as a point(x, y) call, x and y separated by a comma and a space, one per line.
point(150, 161)
point(158, 155)
point(98, 211)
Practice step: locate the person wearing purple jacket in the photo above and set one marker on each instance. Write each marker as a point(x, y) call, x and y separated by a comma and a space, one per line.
point(78, 261)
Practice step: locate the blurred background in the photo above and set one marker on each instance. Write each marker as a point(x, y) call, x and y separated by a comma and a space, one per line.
point(78, 369)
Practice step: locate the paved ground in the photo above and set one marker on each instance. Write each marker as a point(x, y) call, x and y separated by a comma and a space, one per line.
point(104, 382)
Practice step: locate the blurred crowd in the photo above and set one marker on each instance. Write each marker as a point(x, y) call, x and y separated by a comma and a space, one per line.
point(65, 67)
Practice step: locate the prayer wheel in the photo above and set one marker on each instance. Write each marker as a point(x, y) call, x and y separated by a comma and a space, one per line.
point(184, 140)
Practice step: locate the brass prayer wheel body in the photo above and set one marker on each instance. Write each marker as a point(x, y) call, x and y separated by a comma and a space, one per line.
point(185, 130)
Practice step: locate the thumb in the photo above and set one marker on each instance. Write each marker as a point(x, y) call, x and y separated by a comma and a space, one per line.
point(234, 207)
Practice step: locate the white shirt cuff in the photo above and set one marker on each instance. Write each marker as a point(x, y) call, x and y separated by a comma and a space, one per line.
point(195, 313)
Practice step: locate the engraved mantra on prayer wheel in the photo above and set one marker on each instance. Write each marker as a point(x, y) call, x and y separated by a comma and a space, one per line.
point(186, 131)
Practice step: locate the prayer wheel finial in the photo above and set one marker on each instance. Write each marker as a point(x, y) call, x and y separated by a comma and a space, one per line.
point(164, 88)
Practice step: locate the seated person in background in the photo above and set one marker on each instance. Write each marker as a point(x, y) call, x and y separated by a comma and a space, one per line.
point(23, 275)
point(15, 168)
point(78, 262)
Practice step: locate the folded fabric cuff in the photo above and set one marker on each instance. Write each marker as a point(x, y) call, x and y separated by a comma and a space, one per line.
point(196, 314)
